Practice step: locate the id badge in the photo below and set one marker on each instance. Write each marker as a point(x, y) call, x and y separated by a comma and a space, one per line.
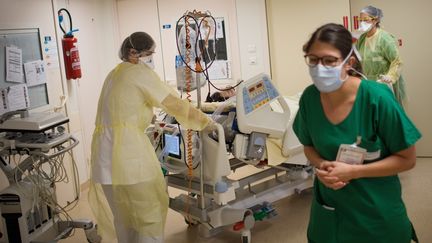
point(351, 154)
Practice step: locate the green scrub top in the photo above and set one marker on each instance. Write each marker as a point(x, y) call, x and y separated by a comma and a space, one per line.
point(367, 209)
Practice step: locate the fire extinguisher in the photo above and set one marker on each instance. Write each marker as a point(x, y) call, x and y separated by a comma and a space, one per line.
point(70, 49)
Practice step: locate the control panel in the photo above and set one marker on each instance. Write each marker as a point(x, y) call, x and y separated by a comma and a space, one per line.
point(255, 99)
point(258, 94)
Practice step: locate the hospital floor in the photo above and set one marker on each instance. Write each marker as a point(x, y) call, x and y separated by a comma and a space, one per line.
point(293, 214)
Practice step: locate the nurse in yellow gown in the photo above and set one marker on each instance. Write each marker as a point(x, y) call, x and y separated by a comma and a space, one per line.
point(128, 194)
point(379, 50)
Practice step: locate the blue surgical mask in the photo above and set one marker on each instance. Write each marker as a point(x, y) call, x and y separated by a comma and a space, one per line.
point(328, 79)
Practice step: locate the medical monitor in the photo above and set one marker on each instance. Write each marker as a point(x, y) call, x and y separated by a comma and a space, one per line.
point(172, 145)
point(255, 97)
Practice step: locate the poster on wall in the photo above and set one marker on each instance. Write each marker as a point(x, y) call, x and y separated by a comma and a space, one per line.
point(220, 69)
point(50, 52)
point(35, 73)
point(22, 64)
point(14, 98)
point(14, 72)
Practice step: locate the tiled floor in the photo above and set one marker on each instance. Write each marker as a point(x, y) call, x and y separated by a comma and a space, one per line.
point(293, 213)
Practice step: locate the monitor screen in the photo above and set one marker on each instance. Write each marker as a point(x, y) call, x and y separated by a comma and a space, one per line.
point(172, 145)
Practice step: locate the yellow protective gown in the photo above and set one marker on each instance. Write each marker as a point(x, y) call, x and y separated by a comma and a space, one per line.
point(122, 154)
point(380, 56)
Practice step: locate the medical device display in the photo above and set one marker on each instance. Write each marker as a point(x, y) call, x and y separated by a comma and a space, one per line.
point(172, 145)
point(33, 150)
point(258, 94)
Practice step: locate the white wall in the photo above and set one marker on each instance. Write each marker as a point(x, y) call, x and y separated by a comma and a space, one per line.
point(253, 38)
point(138, 15)
point(290, 25)
point(97, 43)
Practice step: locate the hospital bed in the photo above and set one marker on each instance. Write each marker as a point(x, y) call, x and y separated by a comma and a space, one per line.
point(254, 129)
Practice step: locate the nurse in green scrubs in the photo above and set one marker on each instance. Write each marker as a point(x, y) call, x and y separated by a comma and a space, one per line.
point(358, 138)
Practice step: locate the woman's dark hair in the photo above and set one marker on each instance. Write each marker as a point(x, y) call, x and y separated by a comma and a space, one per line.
point(337, 36)
point(140, 41)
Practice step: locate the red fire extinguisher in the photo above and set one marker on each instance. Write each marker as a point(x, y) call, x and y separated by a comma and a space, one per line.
point(70, 49)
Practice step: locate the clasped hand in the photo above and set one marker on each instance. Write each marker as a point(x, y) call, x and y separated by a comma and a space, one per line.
point(335, 175)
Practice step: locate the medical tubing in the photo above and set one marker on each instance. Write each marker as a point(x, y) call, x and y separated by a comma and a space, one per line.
point(357, 53)
point(188, 78)
point(223, 89)
point(188, 89)
point(189, 131)
point(196, 160)
point(186, 18)
point(61, 20)
point(44, 179)
point(199, 37)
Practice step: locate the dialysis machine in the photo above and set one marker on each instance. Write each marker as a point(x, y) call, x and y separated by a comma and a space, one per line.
point(213, 197)
point(32, 148)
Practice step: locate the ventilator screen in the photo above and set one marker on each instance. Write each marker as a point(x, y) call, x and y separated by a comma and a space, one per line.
point(172, 145)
